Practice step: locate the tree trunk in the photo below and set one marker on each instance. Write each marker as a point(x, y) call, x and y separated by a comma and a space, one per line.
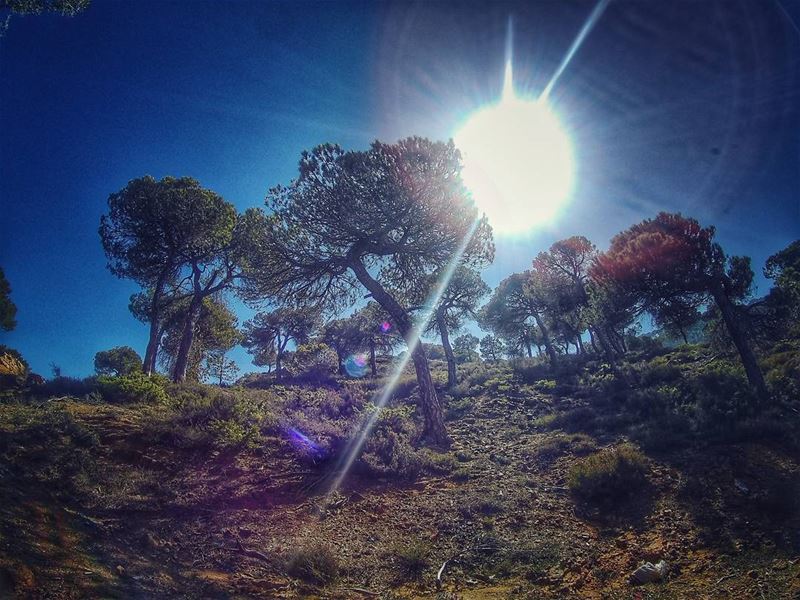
point(527, 341)
point(372, 362)
point(591, 339)
point(280, 346)
point(609, 351)
point(749, 361)
point(448, 349)
point(434, 428)
point(546, 338)
point(581, 349)
point(182, 360)
point(340, 362)
point(149, 362)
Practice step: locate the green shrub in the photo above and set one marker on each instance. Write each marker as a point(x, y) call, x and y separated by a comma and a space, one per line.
point(320, 422)
point(122, 360)
point(723, 398)
point(782, 372)
point(388, 450)
point(655, 402)
point(206, 416)
point(45, 445)
point(609, 475)
point(66, 386)
point(438, 462)
point(551, 449)
point(314, 362)
point(658, 372)
point(412, 559)
point(458, 408)
point(136, 387)
point(546, 386)
point(231, 433)
point(529, 370)
point(316, 564)
point(462, 474)
point(666, 432)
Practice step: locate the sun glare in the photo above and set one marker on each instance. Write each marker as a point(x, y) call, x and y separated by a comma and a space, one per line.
point(517, 161)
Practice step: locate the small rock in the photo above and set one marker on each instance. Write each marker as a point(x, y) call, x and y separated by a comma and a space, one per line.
point(649, 572)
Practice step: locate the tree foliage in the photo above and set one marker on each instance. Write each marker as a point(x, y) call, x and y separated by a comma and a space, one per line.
point(387, 218)
point(464, 348)
point(673, 257)
point(492, 348)
point(219, 368)
point(122, 360)
point(458, 302)
point(176, 239)
point(8, 310)
point(215, 329)
point(268, 334)
point(65, 8)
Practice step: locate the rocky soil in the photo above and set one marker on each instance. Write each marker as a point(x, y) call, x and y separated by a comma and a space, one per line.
point(500, 524)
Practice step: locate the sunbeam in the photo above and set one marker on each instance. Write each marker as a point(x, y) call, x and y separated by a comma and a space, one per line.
point(573, 49)
point(355, 445)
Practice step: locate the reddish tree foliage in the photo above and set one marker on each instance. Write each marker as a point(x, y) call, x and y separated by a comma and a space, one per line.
point(672, 258)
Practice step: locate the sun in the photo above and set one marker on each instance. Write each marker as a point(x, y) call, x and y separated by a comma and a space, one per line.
point(517, 162)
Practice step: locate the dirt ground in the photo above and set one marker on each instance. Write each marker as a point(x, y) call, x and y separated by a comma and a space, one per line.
point(175, 524)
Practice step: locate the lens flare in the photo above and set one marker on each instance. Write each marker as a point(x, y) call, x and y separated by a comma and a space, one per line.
point(356, 365)
point(386, 327)
point(300, 439)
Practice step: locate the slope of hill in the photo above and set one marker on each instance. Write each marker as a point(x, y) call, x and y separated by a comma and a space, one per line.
point(142, 501)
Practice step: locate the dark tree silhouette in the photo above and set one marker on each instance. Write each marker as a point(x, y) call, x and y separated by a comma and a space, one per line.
point(564, 269)
point(675, 316)
point(386, 218)
point(784, 268)
point(492, 348)
point(122, 360)
point(220, 368)
point(459, 301)
point(464, 348)
point(345, 337)
point(66, 8)
point(521, 298)
point(267, 335)
point(216, 329)
point(672, 256)
point(143, 237)
point(176, 238)
point(8, 310)
point(367, 329)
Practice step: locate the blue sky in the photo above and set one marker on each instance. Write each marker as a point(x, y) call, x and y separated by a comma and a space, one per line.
point(690, 107)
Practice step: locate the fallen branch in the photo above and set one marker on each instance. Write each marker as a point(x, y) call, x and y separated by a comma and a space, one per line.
point(240, 549)
point(724, 577)
point(360, 590)
point(440, 572)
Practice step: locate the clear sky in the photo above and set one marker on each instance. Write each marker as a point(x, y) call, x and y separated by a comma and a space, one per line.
point(691, 107)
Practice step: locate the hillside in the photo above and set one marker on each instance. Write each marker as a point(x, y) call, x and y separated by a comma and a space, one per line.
point(206, 495)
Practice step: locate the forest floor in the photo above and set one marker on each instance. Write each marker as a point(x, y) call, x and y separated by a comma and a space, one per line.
point(180, 524)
